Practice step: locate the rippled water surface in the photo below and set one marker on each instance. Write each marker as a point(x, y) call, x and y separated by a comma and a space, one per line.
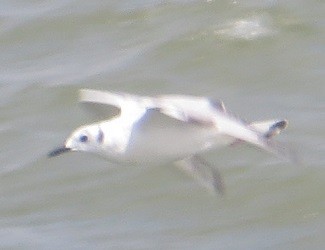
point(264, 59)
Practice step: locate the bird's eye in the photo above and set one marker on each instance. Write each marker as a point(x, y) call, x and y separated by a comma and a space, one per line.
point(83, 138)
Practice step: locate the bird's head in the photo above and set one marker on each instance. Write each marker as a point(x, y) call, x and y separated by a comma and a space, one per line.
point(86, 138)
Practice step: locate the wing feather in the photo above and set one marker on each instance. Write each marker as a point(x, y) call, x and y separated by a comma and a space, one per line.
point(100, 104)
point(192, 109)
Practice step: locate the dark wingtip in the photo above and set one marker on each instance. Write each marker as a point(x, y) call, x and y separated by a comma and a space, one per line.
point(58, 151)
point(276, 128)
point(280, 124)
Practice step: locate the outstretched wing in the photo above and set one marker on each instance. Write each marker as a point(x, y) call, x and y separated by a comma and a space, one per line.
point(205, 111)
point(270, 128)
point(191, 109)
point(104, 104)
point(101, 104)
point(245, 132)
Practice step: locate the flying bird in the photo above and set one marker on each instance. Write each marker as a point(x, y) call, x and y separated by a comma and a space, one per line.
point(165, 129)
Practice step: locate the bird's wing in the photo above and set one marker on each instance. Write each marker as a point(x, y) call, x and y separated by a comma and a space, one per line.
point(105, 104)
point(207, 175)
point(100, 104)
point(184, 108)
point(176, 117)
point(270, 128)
point(205, 111)
point(154, 117)
point(236, 128)
point(190, 108)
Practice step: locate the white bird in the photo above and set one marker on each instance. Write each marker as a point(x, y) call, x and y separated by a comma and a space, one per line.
point(165, 129)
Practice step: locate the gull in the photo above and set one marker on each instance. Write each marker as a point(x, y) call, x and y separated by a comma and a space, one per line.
point(166, 129)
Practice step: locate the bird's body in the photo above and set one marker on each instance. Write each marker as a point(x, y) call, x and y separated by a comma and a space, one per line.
point(163, 129)
point(161, 145)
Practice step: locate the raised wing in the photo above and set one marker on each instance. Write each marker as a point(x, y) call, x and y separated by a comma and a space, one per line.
point(238, 129)
point(191, 109)
point(101, 104)
point(205, 111)
point(104, 104)
point(270, 128)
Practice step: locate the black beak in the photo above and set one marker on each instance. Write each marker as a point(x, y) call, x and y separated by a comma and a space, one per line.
point(58, 151)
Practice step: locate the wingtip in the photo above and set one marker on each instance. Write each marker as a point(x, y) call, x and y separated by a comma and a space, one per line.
point(282, 124)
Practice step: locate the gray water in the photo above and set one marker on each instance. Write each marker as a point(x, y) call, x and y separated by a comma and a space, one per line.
point(263, 58)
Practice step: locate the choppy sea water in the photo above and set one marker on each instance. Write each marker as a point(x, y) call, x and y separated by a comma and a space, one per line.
point(264, 59)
